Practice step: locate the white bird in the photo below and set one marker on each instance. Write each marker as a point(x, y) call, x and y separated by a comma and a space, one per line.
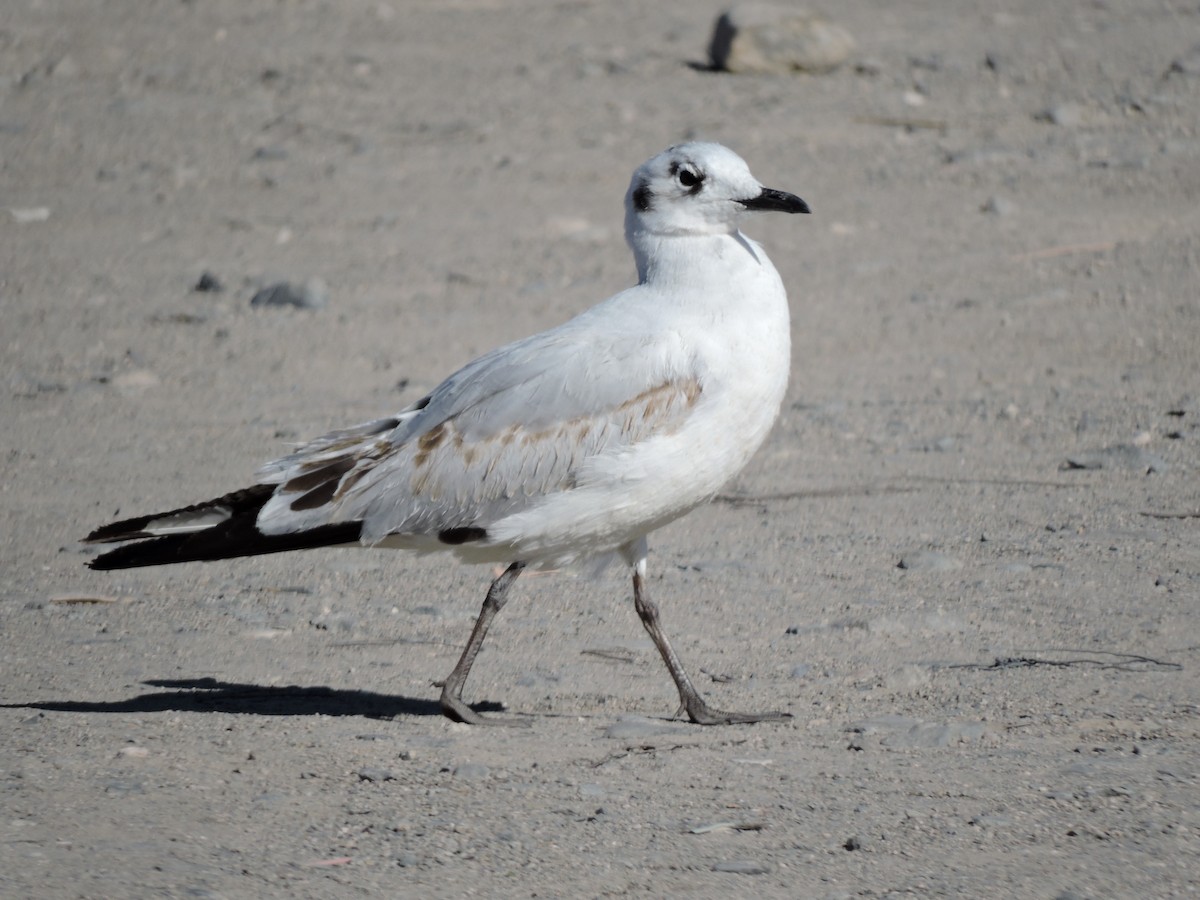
point(572, 443)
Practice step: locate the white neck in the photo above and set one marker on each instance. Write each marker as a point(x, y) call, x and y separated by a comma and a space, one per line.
point(693, 259)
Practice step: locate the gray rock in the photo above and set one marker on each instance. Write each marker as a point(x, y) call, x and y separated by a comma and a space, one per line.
point(1187, 64)
point(998, 206)
point(312, 294)
point(1066, 115)
point(208, 283)
point(764, 38)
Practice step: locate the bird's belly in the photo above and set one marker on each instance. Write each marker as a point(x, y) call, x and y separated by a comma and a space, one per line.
point(625, 495)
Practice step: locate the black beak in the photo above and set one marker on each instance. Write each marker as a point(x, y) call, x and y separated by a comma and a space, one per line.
point(771, 200)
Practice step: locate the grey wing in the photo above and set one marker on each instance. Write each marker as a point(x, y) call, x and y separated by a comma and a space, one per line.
point(513, 426)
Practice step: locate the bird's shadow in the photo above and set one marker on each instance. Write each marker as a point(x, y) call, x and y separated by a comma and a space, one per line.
point(208, 695)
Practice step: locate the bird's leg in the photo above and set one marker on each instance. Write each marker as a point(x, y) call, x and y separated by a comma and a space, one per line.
point(452, 703)
point(690, 701)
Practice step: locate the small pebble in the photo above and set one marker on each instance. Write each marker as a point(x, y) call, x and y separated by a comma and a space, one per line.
point(998, 206)
point(312, 294)
point(134, 381)
point(265, 634)
point(1187, 64)
point(374, 774)
point(123, 786)
point(33, 214)
point(271, 153)
point(334, 622)
point(208, 283)
point(1066, 115)
point(66, 67)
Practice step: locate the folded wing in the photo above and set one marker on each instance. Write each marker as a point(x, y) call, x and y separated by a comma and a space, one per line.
point(511, 427)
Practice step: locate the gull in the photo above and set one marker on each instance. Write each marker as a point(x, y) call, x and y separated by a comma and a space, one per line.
point(567, 445)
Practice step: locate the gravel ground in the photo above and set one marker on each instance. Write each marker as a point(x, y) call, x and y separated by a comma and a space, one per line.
point(966, 560)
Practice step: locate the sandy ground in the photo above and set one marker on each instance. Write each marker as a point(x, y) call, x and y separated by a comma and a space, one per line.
point(966, 560)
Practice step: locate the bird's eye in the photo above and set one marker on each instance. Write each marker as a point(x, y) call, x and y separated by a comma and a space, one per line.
point(688, 178)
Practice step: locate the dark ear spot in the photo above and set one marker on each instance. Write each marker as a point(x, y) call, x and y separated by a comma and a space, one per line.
point(642, 197)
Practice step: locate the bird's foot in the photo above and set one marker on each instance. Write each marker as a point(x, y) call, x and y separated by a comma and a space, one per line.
point(703, 714)
point(455, 709)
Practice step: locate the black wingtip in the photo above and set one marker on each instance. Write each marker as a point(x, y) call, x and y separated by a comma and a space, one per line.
point(129, 530)
point(247, 501)
point(228, 540)
point(124, 530)
point(235, 535)
point(157, 551)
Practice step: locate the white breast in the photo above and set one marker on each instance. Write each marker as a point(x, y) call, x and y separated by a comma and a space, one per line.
point(728, 308)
